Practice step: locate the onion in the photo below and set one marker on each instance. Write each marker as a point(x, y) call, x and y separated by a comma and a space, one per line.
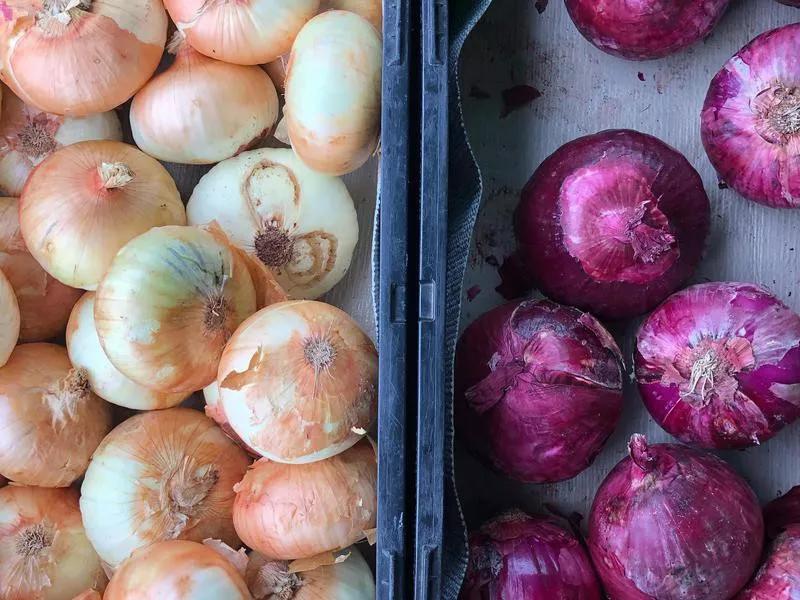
point(371, 10)
point(44, 302)
point(645, 29)
point(299, 511)
point(215, 411)
point(80, 57)
point(333, 92)
point(520, 557)
point(9, 319)
point(51, 421)
point(300, 224)
point(779, 577)
point(87, 200)
point(29, 135)
point(673, 523)
point(168, 304)
point(718, 365)
point(538, 389)
point(782, 512)
point(176, 570)
point(44, 553)
point(161, 475)
point(751, 120)
point(298, 381)
point(247, 32)
point(612, 223)
point(201, 110)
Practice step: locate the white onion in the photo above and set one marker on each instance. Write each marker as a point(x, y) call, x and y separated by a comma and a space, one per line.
point(9, 319)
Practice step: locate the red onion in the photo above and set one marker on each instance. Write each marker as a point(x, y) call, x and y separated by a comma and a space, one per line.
point(795, 3)
point(538, 389)
point(779, 577)
point(782, 512)
point(673, 523)
point(612, 223)
point(521, 558)
point(751, 119)
point(718, 365)
point(645, 29)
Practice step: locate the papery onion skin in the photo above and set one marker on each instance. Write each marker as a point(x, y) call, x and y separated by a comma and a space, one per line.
point(176, 570)
point(782, 512)
point(87, 200)
point(298, 381)
point(779, 576)
point(9, 319)
point(44, 553)
point(538, 389)
point(216, 413)
point(718, 365)
point(525, 558)
point(302, 225)
point(51, 421)
point(647, 29)
point(751, 120)
point(83, 60)
point(333, 92)
point(612, 223)
point(44, 302)
point(671, 522)
point(168, 305)
point(161, 475)
point(371, 10)
point(273, 515)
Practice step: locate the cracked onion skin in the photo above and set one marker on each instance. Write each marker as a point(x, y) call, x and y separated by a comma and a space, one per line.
point(672, 523)
point(612, 223)
point(779, 576)
point(718, 365)
point(751, 120)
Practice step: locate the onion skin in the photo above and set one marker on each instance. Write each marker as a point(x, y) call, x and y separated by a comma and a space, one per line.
point(516, 556)
point(290, 512)
point(51, 421)
point(612, 223)
point(779, 576)
point(9, 319)
point(750, 128)
point(782, 512)
point(216, 413)
point(718, 365)
point(538, 389)
point(645, 30)
point(671, 523)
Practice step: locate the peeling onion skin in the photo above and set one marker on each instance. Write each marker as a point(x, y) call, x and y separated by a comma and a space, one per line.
point(751, 120)
point(524, 558)
point(645, 29)
point(289, 512)
point(718, 365)
point(161, 475)
point(51, 421)
point(9, 319)
point(612, 223)
point(538, 389)
point(60, 562)
point(779, 576)
point(216, 413)
point(671, 522)
point(782, 512)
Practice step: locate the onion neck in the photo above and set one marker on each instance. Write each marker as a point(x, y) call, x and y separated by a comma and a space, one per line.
point(273, 581)
point(648, 243)
point(640, 453)
point(61, 10)
point(64, 400)
point(114, 175)
point(184, 493)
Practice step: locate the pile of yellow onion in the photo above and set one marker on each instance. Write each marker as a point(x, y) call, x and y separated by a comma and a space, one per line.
point(122, 298)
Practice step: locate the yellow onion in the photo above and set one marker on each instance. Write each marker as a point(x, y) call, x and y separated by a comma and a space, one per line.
point(51, 422)
point(202, 110)
point(333, 92)
point(276, 70)
point(44, 302)
point(371, 10)
point(85, 352)
point(176, 570)
point(291, 512)
point(9, 319)
point(168, 305)
point(29, 135)
point(44, 553)
point(300, 224)
point(214, 411)
point(79, 57)
point(245, 32)
point(161, 475)
point(87, 200)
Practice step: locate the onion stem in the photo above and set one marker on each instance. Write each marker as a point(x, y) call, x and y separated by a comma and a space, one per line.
point(115, 175)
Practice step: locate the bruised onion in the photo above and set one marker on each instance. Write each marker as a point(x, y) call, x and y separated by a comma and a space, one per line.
point(782, 512)
point(612, 223)
point(9, 319)
point(520, 557)
point(718, 365)
point(751, 119)
point(538, 389)
point(779, 576)
point(670, 522)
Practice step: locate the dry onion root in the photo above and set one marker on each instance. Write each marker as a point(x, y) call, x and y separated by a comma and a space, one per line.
point(9, 319)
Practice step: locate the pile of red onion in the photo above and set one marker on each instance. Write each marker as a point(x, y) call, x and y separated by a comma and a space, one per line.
point(674, 523)
point(538, 389)
point(718, 365)
point(612, 223)
point(517, 557)
point(751, 119)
